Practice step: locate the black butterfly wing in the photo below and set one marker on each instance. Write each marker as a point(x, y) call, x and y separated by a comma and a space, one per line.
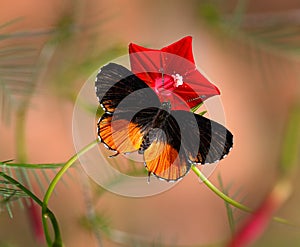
point(122, 95)
point(116, 86)
point(204, 141)
point(161, 145)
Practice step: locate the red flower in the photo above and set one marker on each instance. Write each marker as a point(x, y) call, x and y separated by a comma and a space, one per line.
point(36, 223)
point(259, 220)
point(172, 73)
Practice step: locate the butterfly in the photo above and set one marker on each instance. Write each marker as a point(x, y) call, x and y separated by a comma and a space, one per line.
point(135, 119)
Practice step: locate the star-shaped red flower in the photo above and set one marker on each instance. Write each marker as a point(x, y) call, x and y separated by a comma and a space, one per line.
point(172, 73)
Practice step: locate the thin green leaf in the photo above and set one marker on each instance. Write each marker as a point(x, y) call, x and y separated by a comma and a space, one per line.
point(229, 211)
point(239, 13)
point(195, 108)
point(16, 52)
point(10, 173)
point(3, 182)
point(26, 34)
point(9, 210)
point(9, 192)
point(26, 178)
point(202, 113)
point(38, 179)
point(97, 222)
point(281, 33)
point(237, 193)
point(8, 23)
point(45, 175)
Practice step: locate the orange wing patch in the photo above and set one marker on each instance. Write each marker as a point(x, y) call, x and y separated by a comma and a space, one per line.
point(120, 134)
point(164, 161)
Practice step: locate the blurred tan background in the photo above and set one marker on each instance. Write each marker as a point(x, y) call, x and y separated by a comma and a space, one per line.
point(258, 87)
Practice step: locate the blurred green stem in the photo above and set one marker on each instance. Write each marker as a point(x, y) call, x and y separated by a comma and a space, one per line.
point(289, 159)
point(52, 186)
point(42, 65)
point(21, 133)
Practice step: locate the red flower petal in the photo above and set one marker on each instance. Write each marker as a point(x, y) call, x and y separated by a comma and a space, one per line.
point(182, 48)
point(172, 68)
point(202, 89)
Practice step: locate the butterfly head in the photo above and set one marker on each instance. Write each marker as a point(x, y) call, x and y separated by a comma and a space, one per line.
point(166, 105)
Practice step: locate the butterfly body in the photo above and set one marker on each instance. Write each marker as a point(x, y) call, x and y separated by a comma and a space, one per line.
point(157, 128)
point(169, 140)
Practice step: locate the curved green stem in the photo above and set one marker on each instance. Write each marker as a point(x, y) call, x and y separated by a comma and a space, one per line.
point(70, 162)
point(218, 192)
point(37, 200)
point(230, 200)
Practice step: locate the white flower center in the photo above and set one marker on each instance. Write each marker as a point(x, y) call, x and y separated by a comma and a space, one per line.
point(178, 80)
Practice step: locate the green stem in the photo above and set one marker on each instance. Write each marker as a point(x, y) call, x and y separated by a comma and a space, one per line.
point(21, 133)
point(32, 166)
point(228, 199)
point(70, 162)
point(37, 200)
point(218, 192)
